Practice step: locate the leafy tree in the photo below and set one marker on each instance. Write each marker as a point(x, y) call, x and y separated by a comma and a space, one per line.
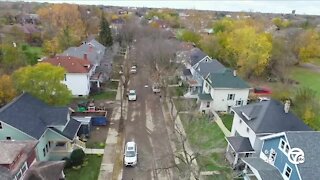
point(223, 25)
point(44, 82)
point(306, 105)
point(7, 90)
point(190, 36)
point(280, 22)
point(308, 45)
point(51, 47)
point(105, 36)
point(11, 58)
point(66, 38)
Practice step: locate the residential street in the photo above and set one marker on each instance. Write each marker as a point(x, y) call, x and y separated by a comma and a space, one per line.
point(145, 125)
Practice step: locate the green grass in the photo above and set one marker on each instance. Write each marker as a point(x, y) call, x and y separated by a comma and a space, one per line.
point(106, 95)
point(185, 104)
point(227, 120)
point(206, 135)
point(90, 171)
point(95, 145)
point(306, 78)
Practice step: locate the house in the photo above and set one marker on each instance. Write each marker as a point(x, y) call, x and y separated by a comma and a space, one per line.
point(256, 120)
point(199, 72)
point(275, 152)
point(46, 170)
point(78, 73)
point(28, 118)
point(16, 158)
point(223, 90)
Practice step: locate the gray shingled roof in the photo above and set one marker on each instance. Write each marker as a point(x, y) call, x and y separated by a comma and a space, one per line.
point(72, 128)
point(187, 72)
point(269, 117)
point(226, 79)
point(240, 144)
point(205, 97)
point(196, 55)
point(212, 66)
point(309, 142)
point(5, 174)
point(32, 116)
point(265, 170)
point(94, 52)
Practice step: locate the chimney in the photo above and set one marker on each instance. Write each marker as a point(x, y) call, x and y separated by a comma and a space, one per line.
point(287, 106)
point(85, 56)
point(234, 73)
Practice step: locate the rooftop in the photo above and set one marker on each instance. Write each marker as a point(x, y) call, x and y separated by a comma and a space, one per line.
point(71, 64)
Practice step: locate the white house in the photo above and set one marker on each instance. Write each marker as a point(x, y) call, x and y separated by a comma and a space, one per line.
point(254, 121)
point(78, 73)
point(223, 90)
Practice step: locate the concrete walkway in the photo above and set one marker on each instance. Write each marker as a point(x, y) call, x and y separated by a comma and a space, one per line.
point(223, 128)
point(94, 151)
point(107, 164)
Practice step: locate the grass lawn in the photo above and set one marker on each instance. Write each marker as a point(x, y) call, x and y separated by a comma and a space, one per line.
point(206, 136)
point(90, 171)
point(177, 91)
point(306, 78)
point(185, 104)
point(106, 95)
point(227, 120)
point(95, 145)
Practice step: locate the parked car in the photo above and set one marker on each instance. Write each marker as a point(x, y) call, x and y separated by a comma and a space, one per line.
point(133, 70)
point(131, 154)
point(156, 88)
point(132, 96)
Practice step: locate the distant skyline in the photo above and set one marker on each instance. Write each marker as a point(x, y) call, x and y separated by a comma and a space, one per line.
point(310, 7)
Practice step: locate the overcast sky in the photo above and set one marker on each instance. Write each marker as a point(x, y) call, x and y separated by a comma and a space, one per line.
point(310, 7)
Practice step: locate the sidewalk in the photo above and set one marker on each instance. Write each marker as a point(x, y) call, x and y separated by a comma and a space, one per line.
point(93, 151)
point(109, 157)
point(219, 122)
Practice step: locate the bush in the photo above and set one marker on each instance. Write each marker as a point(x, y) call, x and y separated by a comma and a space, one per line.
point(68, 163)
point(77, 157)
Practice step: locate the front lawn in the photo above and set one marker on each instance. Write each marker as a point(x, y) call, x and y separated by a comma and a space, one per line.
point(306, 78)
point(90, 171)
point(227, 120)
point(105, 95)
point(205, 136)
point(112, 85)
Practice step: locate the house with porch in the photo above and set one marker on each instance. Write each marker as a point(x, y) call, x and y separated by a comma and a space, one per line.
point(28, 118)
point(253, 122)
point(78, 73)
point(275, 153)
point(222, 91)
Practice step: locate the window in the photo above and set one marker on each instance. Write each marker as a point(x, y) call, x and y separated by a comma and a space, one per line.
point(239, 103)
point(208, 104)
point(240, 121)
point(47, 148)
point(283, 146)
point(8, 138)
point(0, 125)
point(49, 144)
point(287, 171)
point(248, 130)
point(231, 96)
point(44, 152)
point(24, 168)
point(287, 148)
point(19, 175)
point(65, 77)
point(207, 85)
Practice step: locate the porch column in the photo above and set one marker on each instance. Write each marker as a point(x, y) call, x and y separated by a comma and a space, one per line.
point(228, 148)
point(235, 160)
point(98, 84)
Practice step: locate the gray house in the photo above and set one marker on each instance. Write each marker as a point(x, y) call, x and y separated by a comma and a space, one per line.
point(27, 118)
point(254, 121)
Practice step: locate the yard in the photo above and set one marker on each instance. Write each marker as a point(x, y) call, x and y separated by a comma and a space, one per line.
point(306, 78)
point(227, 120)
point(104, 95)
point(112, 85)
point(206, 136)
point(90, 170)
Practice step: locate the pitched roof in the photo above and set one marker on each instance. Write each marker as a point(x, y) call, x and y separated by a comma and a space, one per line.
point(5, 173)
point(212, 66)
point(11, 149)
point(226, 79)
point(240, 144)
point(71, 64)
point(196, 56)
point(269, 117)
point(308, 142)
point(203, 96)
point(93, 49)
point(71, 128)
point(32, 116)
point(186, 72)
point(45, 170)
point(265, 170)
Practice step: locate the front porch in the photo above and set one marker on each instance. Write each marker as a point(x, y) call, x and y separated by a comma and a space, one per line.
point(61, 149)
point(238, 147)
point(194, 88)
point(205, 101)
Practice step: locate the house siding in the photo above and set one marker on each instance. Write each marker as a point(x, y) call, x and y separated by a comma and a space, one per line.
point(15, 134)
point(78, 84)
point(281, 158)
point(220, 98)
point(42, 144)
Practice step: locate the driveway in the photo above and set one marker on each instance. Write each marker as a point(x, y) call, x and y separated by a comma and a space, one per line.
point(145, 125)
